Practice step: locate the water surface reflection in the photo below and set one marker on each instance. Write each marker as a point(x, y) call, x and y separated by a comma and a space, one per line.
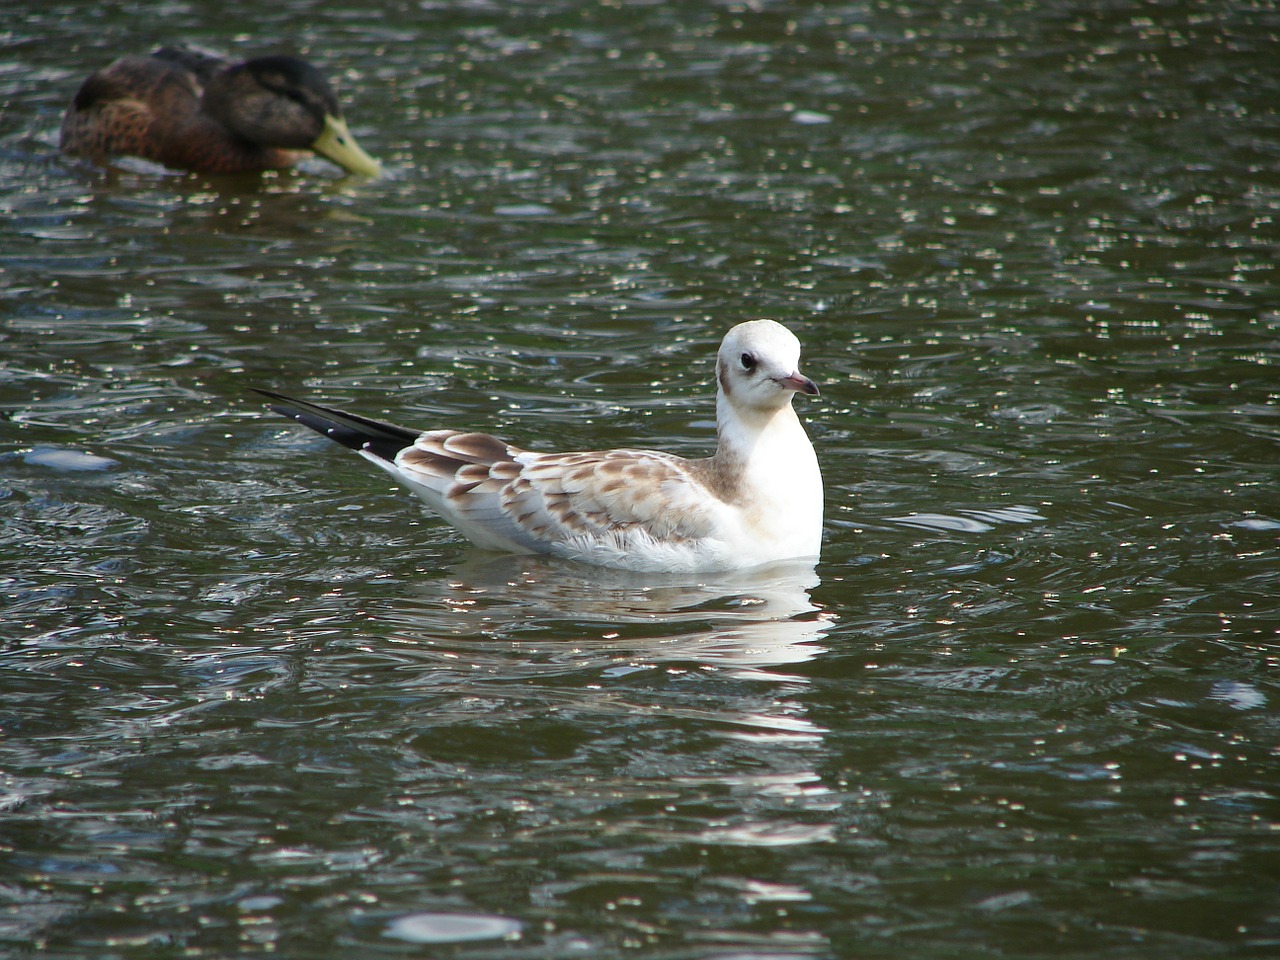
point(743, 622)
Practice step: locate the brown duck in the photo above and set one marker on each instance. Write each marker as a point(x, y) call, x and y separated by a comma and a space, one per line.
point(196, 111)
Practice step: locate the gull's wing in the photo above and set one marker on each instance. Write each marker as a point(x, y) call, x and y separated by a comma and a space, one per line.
point(607, 504)
point(610, 500)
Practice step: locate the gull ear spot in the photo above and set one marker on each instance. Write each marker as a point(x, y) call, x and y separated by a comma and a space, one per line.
point(722, 377)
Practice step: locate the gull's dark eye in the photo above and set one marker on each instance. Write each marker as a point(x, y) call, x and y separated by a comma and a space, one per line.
point(748, 362)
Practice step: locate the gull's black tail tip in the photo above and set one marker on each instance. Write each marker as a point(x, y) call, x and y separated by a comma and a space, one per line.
point(381, 439)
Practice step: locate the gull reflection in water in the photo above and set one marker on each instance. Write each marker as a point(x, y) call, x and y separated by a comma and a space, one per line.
point(742, 622)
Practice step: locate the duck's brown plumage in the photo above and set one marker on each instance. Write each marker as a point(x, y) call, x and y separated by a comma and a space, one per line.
point(195, 111)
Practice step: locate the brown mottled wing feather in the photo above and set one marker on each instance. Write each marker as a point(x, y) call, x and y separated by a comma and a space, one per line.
point(597, 495)
point(538, 501)
point(119, 108)
point(461, 475)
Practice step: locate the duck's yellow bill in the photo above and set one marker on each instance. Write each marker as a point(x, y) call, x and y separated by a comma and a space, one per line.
point(337, 144)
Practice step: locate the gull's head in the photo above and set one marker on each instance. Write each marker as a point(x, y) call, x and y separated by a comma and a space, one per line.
point(758, 367)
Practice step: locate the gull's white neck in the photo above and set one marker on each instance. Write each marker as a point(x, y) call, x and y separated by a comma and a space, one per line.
point(743, 433)
point(768, 465)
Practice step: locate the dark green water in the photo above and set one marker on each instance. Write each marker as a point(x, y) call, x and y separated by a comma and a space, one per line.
point(253, 701)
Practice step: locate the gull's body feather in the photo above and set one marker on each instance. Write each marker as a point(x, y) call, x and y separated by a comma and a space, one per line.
point(757, 500)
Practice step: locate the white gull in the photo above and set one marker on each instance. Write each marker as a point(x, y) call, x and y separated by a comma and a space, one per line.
point(756, 501)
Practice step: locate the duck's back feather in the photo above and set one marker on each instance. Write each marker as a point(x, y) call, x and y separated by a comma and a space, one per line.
point(150, 107)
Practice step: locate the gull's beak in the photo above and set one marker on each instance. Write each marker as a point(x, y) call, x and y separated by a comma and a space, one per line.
point(337, 144)
point(799, 383)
